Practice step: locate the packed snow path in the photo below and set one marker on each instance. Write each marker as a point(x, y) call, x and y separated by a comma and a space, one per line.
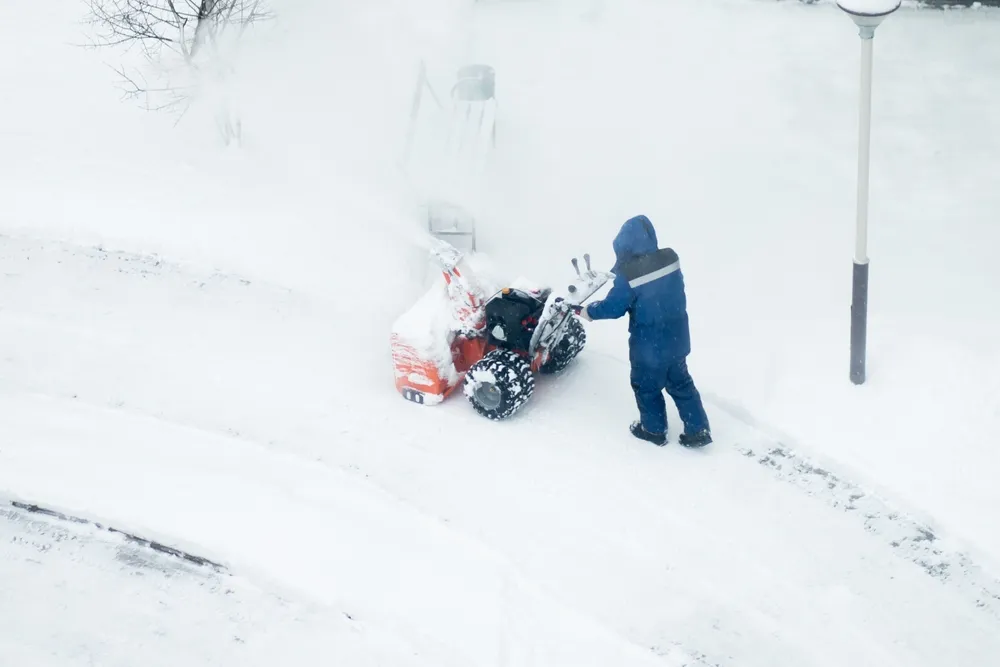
point(216, 414)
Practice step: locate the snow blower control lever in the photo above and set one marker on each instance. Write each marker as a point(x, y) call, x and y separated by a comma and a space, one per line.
point(576, 266)
point(582, 278)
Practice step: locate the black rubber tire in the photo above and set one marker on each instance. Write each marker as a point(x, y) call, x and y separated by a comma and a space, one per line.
point(573, 340)
point(512, 386)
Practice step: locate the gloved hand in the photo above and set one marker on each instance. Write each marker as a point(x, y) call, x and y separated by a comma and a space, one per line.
point(584, 314)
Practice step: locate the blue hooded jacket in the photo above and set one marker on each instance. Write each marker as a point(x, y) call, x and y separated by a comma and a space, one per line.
point(649, 286)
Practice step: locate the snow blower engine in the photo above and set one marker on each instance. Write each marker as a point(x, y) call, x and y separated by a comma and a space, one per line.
point(493, 347)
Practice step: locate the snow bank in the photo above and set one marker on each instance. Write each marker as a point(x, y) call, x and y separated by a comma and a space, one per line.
point(311, 198)
point(119, 604)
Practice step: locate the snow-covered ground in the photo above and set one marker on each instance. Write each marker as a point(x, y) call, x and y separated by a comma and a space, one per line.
point(194, 348)
point(200, 410)
point(75, 595)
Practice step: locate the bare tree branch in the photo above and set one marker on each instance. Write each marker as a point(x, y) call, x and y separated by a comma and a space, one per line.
point(183, 27)
point(180, 25)
point(141, 90)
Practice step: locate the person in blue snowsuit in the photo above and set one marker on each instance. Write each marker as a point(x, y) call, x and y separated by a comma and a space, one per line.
point(649, 286)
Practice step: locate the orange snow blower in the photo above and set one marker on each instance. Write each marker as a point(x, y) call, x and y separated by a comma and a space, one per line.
point(491, 347)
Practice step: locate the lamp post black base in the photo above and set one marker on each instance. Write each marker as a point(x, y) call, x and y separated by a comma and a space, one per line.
point(859, 322)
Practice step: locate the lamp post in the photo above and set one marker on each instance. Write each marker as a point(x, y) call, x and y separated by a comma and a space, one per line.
point(867, 15)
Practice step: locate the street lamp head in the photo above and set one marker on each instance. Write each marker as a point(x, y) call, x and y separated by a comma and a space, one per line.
point(868, 14)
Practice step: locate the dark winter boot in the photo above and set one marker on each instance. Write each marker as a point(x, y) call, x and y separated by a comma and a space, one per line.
point(698, 439)
point(658, 439)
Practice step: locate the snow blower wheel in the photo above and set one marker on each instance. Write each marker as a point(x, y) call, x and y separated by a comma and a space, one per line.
point(570, 345)
point(499, 384)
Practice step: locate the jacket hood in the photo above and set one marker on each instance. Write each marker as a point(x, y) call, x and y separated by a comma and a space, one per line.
point(636, 237)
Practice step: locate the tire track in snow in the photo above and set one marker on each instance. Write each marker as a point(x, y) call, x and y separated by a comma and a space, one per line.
point(908, 538)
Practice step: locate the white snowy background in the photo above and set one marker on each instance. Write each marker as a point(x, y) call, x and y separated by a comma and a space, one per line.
point(194, 346)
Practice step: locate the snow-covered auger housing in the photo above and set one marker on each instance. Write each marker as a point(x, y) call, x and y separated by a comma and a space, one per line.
point(492, 346)
point(434, 342)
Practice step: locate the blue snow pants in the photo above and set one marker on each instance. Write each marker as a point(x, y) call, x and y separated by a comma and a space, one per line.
point(650, 381)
